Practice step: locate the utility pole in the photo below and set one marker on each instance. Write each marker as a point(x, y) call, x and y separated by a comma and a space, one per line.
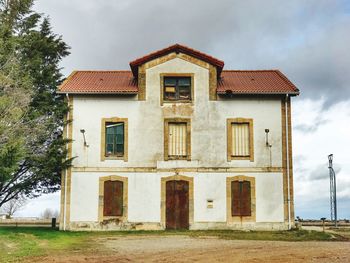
point(333, 190)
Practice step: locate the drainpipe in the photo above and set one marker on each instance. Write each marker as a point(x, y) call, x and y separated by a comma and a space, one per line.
point(287, 155)
point(65, 175)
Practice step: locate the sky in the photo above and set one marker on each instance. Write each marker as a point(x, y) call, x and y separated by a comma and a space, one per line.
point(307, 40)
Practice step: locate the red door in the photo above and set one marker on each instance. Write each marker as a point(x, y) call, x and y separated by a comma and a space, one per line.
point(177, 205)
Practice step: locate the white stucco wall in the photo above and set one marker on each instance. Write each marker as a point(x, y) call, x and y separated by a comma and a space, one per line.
point(144, 196)
point(145, 149)
point(146, 122)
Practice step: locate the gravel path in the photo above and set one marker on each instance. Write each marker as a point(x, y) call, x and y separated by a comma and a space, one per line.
point(205, 249)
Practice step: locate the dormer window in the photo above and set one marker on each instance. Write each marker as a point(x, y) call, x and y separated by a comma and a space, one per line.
point(177, 88)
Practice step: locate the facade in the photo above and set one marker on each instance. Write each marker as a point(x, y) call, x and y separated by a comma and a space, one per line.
point(178, 142)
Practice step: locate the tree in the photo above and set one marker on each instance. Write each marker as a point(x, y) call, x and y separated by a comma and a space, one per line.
point(13, 206)
point(32, 150)
point(49, 213)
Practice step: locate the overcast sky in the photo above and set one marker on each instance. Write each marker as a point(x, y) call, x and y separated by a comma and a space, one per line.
point(306, 40)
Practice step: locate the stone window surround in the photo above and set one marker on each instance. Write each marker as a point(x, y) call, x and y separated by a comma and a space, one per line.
point(230, 157)
point(166, 138)
point(122, 218)
point(162, 75)
point(103, 139)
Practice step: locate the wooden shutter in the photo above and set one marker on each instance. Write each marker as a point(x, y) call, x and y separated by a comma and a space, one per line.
point(245, 199)
point(235, 198)
point(113, 198)
point(240, 139)
point(177, 139)
point(240, 198)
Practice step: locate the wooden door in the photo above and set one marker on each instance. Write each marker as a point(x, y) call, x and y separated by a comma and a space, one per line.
point(177, 204)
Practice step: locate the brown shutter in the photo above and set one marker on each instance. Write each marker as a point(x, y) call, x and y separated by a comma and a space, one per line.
point(113, 198)
point(107, 198)
point(245, 199)
point(235, 198)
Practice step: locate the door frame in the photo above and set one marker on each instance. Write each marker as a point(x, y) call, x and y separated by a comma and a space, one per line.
point(240, 219)
point(163, 197)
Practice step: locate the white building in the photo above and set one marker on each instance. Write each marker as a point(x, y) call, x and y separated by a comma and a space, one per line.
point(178, 142)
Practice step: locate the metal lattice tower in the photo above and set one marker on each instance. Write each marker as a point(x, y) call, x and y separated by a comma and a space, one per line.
point(333, 190)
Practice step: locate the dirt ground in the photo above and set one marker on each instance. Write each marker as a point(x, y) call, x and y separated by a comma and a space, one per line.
point(204, 249)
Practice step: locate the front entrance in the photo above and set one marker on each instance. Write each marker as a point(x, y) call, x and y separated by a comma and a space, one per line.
point(177, 204)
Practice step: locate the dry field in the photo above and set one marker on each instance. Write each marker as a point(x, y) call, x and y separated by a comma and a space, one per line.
point(202, 249)
point(46, 245)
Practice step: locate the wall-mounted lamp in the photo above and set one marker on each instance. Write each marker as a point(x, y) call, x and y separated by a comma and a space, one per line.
point(267, 137)
point(330, 159)
point(83, 132)
point(268, 144)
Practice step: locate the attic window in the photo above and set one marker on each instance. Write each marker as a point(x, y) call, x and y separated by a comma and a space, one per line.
point(177, 88)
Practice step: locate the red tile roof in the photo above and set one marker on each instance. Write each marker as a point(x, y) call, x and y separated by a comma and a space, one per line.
point(255, 82)
point(231, 81)
point(176, 48)
point(92, 82)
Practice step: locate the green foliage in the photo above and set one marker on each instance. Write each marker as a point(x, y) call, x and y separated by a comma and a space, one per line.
point(32, 150)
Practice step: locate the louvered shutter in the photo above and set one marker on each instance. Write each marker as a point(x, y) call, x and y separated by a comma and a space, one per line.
point(240, 139)
point(113, 198)
point(177, 139)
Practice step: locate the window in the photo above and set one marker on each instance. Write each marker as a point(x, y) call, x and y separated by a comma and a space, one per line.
point(113, 198)
point(177, 88)
point(240, 139)
point(114, 139)
point(177, 139)
point(240, 198)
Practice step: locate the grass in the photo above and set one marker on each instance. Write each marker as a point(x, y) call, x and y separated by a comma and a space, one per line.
point(22, 242)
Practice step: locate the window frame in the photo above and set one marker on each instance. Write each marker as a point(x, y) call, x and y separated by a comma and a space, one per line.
point(104, 121)
point(230, 155)
point(124, 180)
point(187, 121)
point(176, 75)
point(238, 218)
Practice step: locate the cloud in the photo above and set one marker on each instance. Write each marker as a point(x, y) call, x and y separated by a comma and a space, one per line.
point(311, 178)
point(321, 172)
point(308, 40)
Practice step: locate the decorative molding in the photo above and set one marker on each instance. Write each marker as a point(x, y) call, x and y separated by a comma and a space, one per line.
point(141, 83)
point(213, 83)
point(291, 186)
point(284, 160)
point(170, 56)
point(180, 169)
point(103, 139)
point(229, 139)
point(67, 173)
point(242, 219)
point(122, 218)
